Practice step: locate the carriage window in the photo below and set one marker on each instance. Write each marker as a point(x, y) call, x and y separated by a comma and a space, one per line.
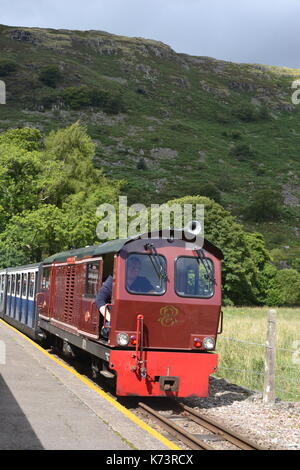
point(143, 274)
point(8, 284)
point(31, 284)
point(13, 284)
point(192, 279)
point(2, 283)
point(92, 274)
point(18, 284)
point(24, 285)
point(46, 278)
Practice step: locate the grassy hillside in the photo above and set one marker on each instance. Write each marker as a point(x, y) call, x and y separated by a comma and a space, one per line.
point(188, 125)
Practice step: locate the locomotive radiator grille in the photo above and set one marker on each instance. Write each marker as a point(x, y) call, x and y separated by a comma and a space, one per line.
point(69, 296)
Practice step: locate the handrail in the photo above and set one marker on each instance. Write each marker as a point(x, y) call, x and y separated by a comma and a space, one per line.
point(220, 326)
point(139, 348)
point(106, 325)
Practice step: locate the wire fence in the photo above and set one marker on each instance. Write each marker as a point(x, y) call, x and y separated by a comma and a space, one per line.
point(266, 367)
point(256, 344)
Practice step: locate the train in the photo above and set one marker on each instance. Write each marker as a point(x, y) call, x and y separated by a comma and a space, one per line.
point(161, 340)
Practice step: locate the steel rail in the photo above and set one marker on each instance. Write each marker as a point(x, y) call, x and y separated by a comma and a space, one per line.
point(226, 434)
point(177, 431)
point(238, 440)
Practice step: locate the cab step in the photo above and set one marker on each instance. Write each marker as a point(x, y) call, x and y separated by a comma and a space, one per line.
point(107, 374)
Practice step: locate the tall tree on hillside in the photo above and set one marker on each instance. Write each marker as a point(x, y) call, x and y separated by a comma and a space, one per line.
point(50, 203)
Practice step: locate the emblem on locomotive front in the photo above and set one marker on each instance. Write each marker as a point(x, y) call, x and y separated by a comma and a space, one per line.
point(168, 315)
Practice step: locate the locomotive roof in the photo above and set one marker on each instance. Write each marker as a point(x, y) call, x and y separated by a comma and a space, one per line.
point(114, 246)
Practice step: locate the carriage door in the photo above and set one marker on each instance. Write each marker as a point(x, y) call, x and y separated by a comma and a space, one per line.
point(2, 293)
point(43, 297)
point(89, 321)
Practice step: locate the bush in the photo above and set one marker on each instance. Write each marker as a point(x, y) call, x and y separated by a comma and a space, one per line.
point(246, 112)
point(48, 98)
point(76, 97)
point(210, 190)
point(284, 288)
point(242, 152)
point(266, 205)
point(50, 76)
point(7, 67)
point(141, 165)
point(250, 113)
point(82, 97)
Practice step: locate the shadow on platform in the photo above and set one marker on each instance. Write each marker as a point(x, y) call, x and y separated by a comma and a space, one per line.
point(16, 432)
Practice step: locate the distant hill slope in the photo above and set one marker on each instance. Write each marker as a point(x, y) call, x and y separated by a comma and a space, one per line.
point(174, 124)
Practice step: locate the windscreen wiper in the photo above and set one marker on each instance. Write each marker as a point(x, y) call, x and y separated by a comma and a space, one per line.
point(204, 260)
point(156, 261)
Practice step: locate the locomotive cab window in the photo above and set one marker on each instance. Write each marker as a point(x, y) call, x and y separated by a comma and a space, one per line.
point(194, 278)
point(144, 274)
point(46, 278)
point(92, 276)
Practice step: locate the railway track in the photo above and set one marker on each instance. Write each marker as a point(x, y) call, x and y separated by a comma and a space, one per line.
point(180, 413)
point(195, 441)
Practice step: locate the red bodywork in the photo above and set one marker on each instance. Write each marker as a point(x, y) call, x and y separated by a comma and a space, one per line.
point(191, 370)
point(170, 323)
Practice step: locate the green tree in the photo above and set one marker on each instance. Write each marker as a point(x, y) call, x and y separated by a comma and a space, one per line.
point(48, 198)
point(25, 138)
point(284, 288)
point(20, 164)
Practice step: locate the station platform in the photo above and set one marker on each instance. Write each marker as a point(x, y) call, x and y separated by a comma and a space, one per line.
point(44, 404)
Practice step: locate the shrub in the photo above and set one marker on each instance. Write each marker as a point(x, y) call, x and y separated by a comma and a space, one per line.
point(266, 205)
point(7, 67)
point(141, 165)
point(210, 190)
point(50, 76)
point(82, 97)
point(48, 98)
point(284, 288)
point(76, 97)
point(246, 112)
point(242, 151)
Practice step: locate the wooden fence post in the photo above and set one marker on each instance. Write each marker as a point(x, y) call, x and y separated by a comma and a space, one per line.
point(270, 359)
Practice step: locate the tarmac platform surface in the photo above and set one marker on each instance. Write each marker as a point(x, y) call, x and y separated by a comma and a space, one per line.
point(43, 405)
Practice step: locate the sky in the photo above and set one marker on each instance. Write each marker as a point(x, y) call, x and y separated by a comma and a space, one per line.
point(254, 31)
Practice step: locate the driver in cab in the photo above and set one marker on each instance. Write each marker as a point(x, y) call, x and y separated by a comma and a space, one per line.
point(134, 283)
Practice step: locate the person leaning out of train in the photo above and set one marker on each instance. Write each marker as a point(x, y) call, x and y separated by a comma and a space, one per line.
point(102, 298)
point(134, 281)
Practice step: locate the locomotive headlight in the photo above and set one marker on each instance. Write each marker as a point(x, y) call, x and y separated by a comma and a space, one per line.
point(208, 343)
point(122, 339)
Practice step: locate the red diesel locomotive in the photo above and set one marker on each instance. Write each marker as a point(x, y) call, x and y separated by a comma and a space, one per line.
point(160, 342)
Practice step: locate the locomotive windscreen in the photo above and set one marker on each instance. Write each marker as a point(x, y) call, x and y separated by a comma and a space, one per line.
point(192, 279)
point(143, 276)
